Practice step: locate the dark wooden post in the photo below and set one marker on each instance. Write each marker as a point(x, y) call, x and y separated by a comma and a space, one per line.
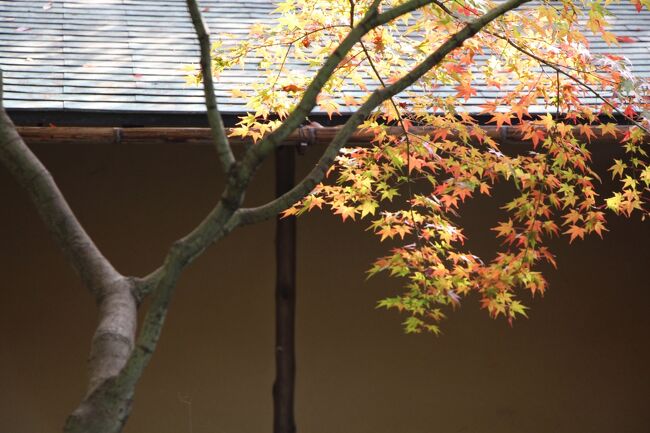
point(285, 299)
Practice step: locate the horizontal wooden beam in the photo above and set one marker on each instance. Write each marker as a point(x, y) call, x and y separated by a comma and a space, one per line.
point(201, 136)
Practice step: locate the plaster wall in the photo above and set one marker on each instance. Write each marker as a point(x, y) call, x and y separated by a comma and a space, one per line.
point(579, 364)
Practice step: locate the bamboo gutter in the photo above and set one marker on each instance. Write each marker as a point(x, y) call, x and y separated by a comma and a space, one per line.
point(201, 136)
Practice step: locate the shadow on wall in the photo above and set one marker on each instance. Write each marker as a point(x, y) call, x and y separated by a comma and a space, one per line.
point(579, 364)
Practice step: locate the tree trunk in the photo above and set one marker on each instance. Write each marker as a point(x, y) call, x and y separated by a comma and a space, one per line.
point(104, 411)
point(106, 406)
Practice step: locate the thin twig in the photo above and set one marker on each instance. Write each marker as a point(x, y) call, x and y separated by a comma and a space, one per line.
point(559, 70)
point(400, 119)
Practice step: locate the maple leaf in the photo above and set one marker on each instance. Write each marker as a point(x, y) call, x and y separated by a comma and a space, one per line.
point(547, 121)
point(368, 207)
point(292, 88)
point(501, 118)
point(563, 128)
point(256, 29)
point(315, 201)
point(609, 38)
point(388, 194)
point(454, 68)
point(575, 232)
point(237, 93)
point(488, 107)
point(386, 232)
point(599, 227)
point(291, 21)
point(535, 136)
point(520, 110)
point(504, 229)
point(345, 212)
point(441, 133)
point(484, 188)
point(407, 124)
point(463, 193)
point(402, 230)
point(350, 101)
point(587, 131)
point(450, 201)
point(289, 212)
point(329, 106)
point(618, 168)
point(629, 183)
point(517, 307)
point(465, 90)
point(548, 256)
point(572, 217)
point(608, 128)
point(629, 111)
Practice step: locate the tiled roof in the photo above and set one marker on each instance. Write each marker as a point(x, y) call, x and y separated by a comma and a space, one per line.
point(127, 55)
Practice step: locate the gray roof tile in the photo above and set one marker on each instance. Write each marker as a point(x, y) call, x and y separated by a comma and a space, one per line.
point(126, 55)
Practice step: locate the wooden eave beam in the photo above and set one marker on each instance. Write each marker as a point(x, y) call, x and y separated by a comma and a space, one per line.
point(201, 136)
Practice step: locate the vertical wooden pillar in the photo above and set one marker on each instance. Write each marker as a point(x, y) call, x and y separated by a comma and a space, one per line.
point(285, 299)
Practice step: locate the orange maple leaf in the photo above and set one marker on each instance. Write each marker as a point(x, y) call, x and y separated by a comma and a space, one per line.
point(587, 131)
point(575, 232)
point(501, 118)
point(465, 90)
point(535, 136)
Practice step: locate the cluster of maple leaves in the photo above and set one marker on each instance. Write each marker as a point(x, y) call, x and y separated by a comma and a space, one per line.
point(550, 90)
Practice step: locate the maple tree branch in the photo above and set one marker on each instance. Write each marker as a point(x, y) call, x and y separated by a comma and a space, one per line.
point(214, 117)
point(316, 175)
point(93, 268)
point(217, 224)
